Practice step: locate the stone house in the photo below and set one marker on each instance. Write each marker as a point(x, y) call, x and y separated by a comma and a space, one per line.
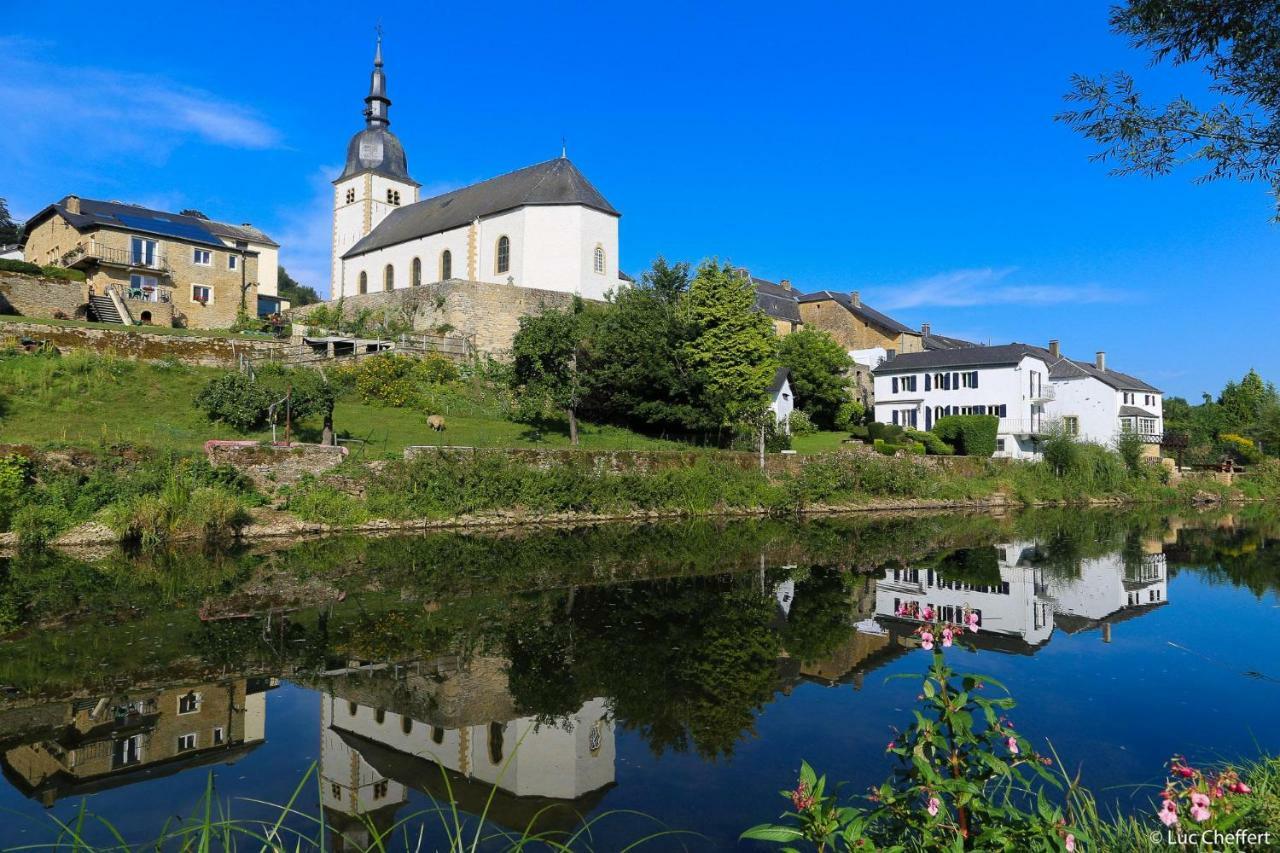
point(779, 302)
point(110, 741)
point(164, 268)
point(855, 325)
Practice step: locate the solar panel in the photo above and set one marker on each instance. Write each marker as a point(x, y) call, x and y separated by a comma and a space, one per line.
point(169, 228)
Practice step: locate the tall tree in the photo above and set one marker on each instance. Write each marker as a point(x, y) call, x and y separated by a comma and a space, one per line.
point(734, 348)
point(545, 374)
point(819, 374)
point(10, 230)
point(1233, 41)
point(638, 374)
point(290, 289)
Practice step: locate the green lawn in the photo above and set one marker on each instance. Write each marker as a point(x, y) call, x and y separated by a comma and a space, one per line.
point(818, 442)
point(88, 402)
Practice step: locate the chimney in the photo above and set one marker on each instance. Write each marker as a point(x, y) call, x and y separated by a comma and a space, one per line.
point(924, 330)
point(1054, 349)
point(785, 284)
point(855, 298)
point(1100, 361)
point(743, 272)
point(72, 203)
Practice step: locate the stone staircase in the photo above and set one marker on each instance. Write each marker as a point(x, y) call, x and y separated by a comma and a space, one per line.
point(104, 308)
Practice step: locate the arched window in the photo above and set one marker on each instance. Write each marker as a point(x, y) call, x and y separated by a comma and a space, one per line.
point(380, 716)
point(446, 265)
point(599, 260)
point(364, 282)
point(406, 724)
point(388, 277)
point(495, 734)
point(351, 196)
point(416, 272)
point(352, 708)
point(437, 735)
point(504, 255)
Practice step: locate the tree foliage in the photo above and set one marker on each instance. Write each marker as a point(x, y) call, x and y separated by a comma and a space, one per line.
point(546, 351)
point(1234, 42)
point(297, 294)
point(819, 374)
point(10, 231)
point(1249, 408)
point(734, 348)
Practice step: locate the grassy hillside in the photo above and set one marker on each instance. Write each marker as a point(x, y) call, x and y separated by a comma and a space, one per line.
point(87, 400)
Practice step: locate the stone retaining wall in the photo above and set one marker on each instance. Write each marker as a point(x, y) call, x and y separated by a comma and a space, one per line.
point(136, 342)
point(35, 296)
point(273, 465)
point(488, 313)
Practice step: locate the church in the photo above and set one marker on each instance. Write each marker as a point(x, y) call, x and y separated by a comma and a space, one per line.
point(544, 226)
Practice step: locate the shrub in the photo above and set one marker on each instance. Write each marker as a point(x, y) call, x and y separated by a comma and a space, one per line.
point(53, 271)
point(38, 524)
point(216, 513)
point(386, 378)
point(800, 423)
point(970, 435)
point(313, 500)
point(9, 265)
point(1131, 447)
point(235, 399)
point(435, 369)
point(850, 414)
point(15, 475)
point(860, 432)
point(1239, 448)
point(933, 445)
point(1061, 451)
point(891, 433)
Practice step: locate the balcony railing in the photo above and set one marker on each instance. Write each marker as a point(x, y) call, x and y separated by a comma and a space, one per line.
point(1023, 426)
point(148, 294)
point(1043, 394)
point(95, 252)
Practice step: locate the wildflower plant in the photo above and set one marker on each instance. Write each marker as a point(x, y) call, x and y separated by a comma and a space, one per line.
point(964, 777)
point(1199, 799)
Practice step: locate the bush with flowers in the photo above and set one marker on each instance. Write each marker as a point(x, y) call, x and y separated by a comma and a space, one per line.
point(965, 778)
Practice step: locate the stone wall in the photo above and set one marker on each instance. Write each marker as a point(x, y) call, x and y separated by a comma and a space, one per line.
point(33, 296)
point(135, 342)
point(488, 313)
point(273, 465)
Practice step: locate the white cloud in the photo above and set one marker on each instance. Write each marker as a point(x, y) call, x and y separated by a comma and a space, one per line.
point(987, 286)
point(102, 113)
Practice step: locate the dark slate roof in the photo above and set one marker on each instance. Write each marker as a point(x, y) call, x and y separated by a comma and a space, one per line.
point(1135, 412)
point(775, 300)
point(135, 218)
point(377, 150)
point(554, 182)
point(964, 357)
point(932, 341)
point(626, 277)
point(861, 311)
point(1067, 368)
point(779, 379)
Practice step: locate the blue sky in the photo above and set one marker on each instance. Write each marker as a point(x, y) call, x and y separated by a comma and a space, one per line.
point(908, 153)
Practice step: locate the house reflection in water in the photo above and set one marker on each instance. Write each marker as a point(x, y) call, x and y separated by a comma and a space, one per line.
point(1020, 600)
point(110, 741)
point(384, 735)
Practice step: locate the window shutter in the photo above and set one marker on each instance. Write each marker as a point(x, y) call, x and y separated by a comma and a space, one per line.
point(975, 379)
point(926, 382)
point(895, 385)
point(895, 417)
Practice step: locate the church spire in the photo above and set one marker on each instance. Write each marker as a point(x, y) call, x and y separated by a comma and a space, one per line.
point(377, 103)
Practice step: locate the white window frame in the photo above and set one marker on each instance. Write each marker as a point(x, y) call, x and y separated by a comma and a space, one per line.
point(199, 701)
point(207, 288)
point(202, 257)
point(598, 262)
point(232, 260)
point(143, 251)
point(1071, 424)
point(188, 742)
point(219, 735)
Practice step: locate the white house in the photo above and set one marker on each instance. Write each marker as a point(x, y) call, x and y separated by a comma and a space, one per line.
point(781, 398)
point(11, 253)
point(1097, 403)
point(1010, 381)
point(544, 226)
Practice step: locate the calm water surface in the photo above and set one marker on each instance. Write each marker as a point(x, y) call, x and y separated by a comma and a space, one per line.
point(680, 671)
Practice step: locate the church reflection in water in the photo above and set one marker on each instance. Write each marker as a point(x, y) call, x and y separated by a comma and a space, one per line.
point(451, 731)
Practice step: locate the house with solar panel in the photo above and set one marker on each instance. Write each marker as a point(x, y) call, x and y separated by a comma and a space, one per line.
point(152, 267)
point(543, 226)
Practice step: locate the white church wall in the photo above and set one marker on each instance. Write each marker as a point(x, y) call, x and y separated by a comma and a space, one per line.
point(400, 256)
point(511, 225)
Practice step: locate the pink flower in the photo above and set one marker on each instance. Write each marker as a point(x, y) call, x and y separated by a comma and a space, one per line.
point(1241, 788)
point(1183, 770)
point(946, 638)
point(932, 808)
point(926, 641)
point(1012, 743)
point(927, 614)
point(800, 797)
point(1071, 843)
point(1199, 799)
point(1168, 813)
point(971, 621)
point(1200, 814)
point(890, 746)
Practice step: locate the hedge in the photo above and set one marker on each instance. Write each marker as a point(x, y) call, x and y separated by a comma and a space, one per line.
point(8, 265)
point(970, 435)
point(933, 445)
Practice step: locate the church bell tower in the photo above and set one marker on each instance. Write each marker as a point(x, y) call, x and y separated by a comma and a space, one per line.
point(374, 182)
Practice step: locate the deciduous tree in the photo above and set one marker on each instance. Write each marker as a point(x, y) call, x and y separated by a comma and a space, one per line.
point(819, 374)
point(545, 374)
